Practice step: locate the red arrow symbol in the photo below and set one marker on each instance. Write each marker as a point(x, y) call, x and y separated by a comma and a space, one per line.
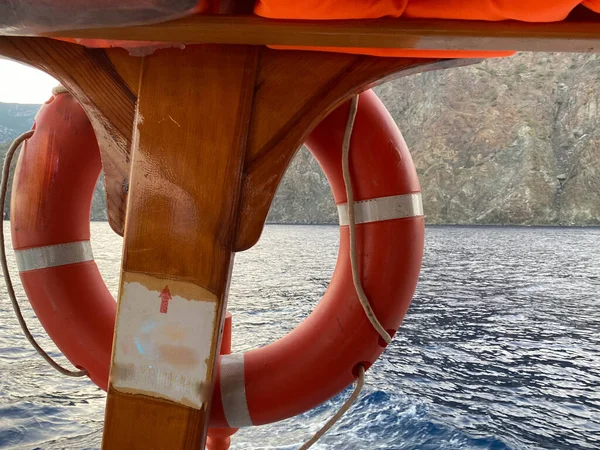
point(165, 296)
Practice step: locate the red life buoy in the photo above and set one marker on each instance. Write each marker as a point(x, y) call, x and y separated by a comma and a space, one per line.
point(52, 194)
point(51, 199)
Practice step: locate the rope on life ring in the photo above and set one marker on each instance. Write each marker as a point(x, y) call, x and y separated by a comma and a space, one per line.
point(364, 301)
point(7, 279)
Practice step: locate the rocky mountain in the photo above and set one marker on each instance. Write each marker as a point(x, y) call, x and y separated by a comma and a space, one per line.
point(513, 140)
point(15, 119)
point(507, 141)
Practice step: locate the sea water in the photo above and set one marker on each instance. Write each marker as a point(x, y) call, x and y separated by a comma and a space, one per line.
point(499, 350)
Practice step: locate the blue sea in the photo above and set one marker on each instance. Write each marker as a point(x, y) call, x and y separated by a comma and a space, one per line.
point(499, 350)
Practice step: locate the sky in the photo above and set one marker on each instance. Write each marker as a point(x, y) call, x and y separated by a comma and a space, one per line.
point(22, 84)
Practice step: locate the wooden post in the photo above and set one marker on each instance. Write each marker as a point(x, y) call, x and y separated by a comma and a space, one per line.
point(187, 162)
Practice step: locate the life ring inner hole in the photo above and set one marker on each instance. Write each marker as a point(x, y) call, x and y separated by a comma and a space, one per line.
point(279, 306)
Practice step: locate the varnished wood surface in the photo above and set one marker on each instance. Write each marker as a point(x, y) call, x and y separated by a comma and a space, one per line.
point(186, 175)
point(105, 83)
point(564, 36)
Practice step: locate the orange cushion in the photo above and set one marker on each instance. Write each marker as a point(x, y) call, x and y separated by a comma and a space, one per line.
point(329, 9)
point(524, 10)
point(490, 10)
point(405, 53)
point(594, 5)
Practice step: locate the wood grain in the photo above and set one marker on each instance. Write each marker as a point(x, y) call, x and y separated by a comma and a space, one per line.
point(567, 36)
point(188, 155)
point(105, 83)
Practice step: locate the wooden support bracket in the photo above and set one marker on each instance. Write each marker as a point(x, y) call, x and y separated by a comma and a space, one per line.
point(105, 82)
point(295, 91)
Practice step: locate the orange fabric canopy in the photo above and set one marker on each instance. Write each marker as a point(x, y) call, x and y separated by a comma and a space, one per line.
point(487, 10)
point(492, 10)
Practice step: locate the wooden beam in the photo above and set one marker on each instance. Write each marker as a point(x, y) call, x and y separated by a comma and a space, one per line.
point(187, 160)
point(380, 33)
point(105, 83)
point(295, 90)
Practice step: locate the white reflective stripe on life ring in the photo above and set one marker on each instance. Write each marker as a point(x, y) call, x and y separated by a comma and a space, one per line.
point(383, 208)
point(233, 391)
point(53, 255)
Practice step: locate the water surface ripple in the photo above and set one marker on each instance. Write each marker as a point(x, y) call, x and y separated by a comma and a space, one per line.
point(500, 348)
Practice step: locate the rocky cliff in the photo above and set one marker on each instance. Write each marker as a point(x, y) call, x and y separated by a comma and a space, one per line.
point(15, 119)
point(514, 140)
point(507, 141)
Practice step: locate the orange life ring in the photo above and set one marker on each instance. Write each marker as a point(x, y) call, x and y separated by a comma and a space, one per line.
point(52, 193)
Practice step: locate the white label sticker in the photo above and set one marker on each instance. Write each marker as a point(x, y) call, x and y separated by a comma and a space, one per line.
point(163, 342)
